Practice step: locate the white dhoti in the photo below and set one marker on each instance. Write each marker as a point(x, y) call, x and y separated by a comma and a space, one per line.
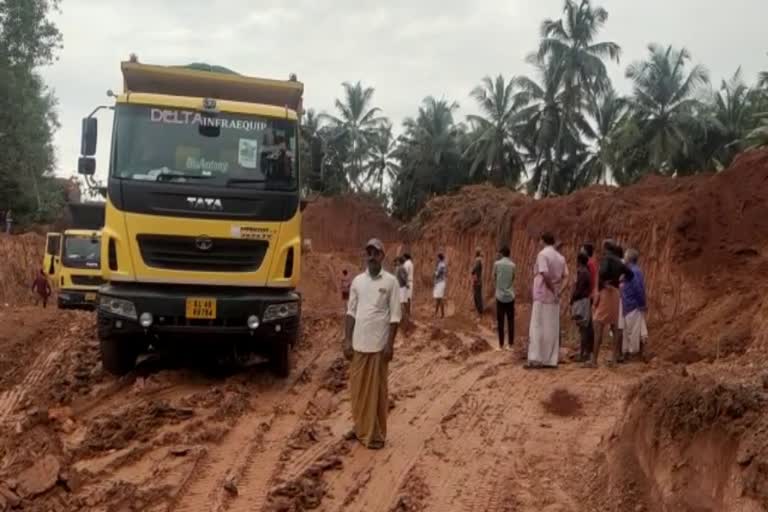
point(403, 294)
point(439, 291)
point(621, 314)
point(635, 332)
point(544, 334)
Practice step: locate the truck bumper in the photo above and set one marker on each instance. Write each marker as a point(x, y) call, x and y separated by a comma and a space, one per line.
point(167, 305)
point(77, 299)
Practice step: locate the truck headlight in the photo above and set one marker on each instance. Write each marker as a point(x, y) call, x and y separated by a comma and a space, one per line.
point(118, 307)
point(280, 311)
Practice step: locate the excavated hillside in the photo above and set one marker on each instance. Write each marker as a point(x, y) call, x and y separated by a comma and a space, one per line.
point(703, 243)
point(22, 257)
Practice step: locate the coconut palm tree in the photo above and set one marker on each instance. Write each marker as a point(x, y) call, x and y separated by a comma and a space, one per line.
point(606, 111)
point(664, 105)
point(733, 114)
point(357, 123)
point(382, 162)
point(494, 145)
point(549, 133)
point(569, 43)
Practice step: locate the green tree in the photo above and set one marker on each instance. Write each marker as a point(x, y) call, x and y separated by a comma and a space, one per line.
point(494, 147)
point(430, 157)
point(664, 104)
point(568, 47)
point(357, 124)
point(28, 39)
point(382, 162)
point(606, 111)
point(549, 134)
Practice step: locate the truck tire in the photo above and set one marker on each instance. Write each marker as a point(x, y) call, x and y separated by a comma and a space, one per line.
point(118, 355)
point(280, 357)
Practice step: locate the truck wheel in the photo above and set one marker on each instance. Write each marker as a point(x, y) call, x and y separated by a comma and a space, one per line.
point(280, 357)
point(118, 353)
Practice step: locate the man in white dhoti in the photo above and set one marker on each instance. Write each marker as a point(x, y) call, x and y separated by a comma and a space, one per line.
point(549, 271)
point(634, 307)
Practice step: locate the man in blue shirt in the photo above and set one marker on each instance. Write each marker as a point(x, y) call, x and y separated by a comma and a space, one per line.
point(634, 307)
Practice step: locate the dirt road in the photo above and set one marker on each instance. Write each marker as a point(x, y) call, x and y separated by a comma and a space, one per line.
point(469, 428)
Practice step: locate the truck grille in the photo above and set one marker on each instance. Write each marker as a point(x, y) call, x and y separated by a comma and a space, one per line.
point(215, 255)
point(87, 280)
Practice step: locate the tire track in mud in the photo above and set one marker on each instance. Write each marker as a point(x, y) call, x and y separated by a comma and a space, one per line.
point(13, 397)
point(257, 436)
point(411, 425)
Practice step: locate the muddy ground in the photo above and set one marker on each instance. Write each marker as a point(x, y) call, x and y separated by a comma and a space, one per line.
point(469, 428)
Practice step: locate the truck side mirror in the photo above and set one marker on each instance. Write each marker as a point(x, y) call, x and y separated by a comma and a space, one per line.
point(318, 153)
point(86, 166)
point(88, 136)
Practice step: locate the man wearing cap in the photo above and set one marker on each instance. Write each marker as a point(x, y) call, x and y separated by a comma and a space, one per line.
point(373, 315)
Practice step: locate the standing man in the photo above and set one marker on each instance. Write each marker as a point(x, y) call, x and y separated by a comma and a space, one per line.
point(477, 282)
point(402, 281)
point(549, 272)
point(588, 248)
point(42, 287)
point(346, 282)
point(8, 222)
point(504, 277)
point(581, 307)
point(634, 307)
point(373, 315)
point(438, 292)
point(408, 265)
point(607, 309)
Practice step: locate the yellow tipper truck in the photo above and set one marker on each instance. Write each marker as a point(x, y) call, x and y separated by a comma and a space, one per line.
point(202, 233)
point(72, 260)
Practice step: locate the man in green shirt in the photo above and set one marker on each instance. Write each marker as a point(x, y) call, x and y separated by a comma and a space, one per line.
point(504, 277)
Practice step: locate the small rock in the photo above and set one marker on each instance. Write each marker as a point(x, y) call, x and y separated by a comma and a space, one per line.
point(9, 497)
point(180, 451)
point(684, 372)
point(71, 480)
point(40, 477)
point(231, 488)
point(60, 413)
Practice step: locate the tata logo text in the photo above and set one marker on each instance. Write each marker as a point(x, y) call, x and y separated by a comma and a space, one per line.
point(205, 203)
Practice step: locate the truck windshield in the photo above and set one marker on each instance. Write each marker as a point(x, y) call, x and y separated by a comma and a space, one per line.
point(221, 149)
point(81, 251)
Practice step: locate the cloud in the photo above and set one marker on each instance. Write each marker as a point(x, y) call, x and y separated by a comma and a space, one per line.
point(406, 49)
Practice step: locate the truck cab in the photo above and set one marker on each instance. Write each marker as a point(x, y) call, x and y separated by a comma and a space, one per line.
point(202, 234)
point(77, 277)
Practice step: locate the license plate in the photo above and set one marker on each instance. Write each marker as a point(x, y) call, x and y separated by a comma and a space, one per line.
point(201, 308)
point(90, 297)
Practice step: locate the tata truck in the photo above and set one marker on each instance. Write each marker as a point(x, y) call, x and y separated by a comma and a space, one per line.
point(72, 259)
point(73, 265)
point(202, 234)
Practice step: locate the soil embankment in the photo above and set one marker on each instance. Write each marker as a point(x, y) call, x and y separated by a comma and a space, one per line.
point(22, 258)
point(703, 243)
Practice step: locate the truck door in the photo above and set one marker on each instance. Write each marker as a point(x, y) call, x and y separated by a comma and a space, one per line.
point(52, 258)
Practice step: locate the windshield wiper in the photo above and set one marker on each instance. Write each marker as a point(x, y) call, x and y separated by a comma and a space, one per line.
point(170, 176)
point(236, 181)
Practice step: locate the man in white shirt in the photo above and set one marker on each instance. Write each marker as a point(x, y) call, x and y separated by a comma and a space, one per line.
point(408, 266)
point(373, 315)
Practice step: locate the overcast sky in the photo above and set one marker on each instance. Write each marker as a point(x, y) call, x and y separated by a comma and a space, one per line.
point(406, 49)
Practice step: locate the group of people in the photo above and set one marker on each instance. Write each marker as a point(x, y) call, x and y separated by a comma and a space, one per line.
point(606, 296)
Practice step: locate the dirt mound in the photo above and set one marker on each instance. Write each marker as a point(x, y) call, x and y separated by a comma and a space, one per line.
point(702, 241)
point(688, 444)
point(342, 223)
point(22, 256)
point(562, 402)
